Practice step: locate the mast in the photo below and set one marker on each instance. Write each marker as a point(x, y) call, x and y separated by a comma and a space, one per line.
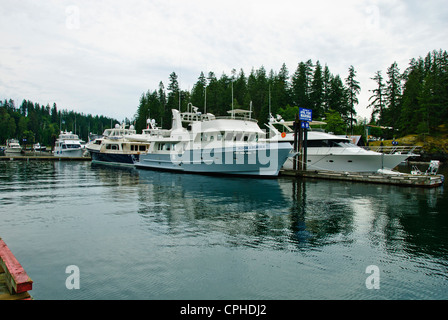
point(233, 115)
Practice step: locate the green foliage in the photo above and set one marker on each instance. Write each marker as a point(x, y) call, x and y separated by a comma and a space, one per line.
point(415, 101)
point(42, 124)
point(335, 123)
point(311, 86)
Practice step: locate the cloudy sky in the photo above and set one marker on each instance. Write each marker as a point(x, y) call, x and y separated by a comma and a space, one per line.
point(98, 57)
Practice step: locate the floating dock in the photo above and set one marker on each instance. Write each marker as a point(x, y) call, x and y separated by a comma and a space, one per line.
point(14, 282)
point(43, 158)
point(400, 179)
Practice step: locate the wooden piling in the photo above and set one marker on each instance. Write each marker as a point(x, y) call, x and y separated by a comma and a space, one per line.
point(14, 281)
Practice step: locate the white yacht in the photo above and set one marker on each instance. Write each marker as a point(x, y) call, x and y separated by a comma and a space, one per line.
point(68, 145)
point(114, 147)
point(39, 147)
point(13, 147)
point(214, 145)
point(328, 152)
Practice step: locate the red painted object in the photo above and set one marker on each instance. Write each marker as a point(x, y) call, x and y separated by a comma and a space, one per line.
point(15, 274)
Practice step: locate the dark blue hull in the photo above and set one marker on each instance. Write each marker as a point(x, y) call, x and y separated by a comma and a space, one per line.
point(114, 159)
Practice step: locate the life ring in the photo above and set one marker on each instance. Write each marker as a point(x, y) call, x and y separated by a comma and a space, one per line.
point(283, 134)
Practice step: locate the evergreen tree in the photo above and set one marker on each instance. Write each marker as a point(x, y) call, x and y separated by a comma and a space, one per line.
point(378, 98)
point(301, 84)
point(317, 92)
point(393, 95)
point(338, 97)
point(353, 90)
point(326, 79)
point(198, 92)
point(411, 114)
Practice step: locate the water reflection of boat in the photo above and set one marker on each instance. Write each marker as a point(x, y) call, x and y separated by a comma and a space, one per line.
point(209, 144)
point(334, 153)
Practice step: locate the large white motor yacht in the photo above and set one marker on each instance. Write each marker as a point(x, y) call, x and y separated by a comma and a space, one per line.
point(328, 152)
point(214, 145)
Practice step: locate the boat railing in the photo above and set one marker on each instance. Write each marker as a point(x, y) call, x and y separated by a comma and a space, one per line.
point(237, 118)
point(394, 149)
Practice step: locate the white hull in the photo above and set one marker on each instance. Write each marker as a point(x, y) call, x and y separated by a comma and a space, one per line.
point(255, 160)
point(71, 153)
point(13, 151)
point(327, 152)
point(356, 162)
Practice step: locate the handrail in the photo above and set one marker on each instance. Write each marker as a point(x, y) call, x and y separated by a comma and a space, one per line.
point(394, 149)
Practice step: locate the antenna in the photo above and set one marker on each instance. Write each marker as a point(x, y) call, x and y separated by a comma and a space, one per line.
point(250, 108)
point(269, 98)
point(233, 115)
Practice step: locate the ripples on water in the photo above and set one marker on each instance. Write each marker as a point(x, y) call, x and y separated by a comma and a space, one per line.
point(156, 235)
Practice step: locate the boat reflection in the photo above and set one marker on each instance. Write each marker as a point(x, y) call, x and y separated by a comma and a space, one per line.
point(285, 213)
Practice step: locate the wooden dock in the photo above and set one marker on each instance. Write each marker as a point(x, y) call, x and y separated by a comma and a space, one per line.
point(410, 180)
point(14, 282)
point(43, 158)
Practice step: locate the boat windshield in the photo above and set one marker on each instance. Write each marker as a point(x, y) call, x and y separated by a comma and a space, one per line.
point(330, 143)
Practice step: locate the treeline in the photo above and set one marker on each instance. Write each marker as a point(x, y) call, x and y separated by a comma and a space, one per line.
point(311, 86)
point(42, 123)
point(415, 101)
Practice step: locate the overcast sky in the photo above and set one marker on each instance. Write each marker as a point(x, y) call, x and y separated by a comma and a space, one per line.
point(98, 57)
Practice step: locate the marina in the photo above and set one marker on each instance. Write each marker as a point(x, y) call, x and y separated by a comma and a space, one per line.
point(183, 236)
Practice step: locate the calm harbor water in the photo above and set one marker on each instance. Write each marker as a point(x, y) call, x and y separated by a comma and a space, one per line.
point(137, 234)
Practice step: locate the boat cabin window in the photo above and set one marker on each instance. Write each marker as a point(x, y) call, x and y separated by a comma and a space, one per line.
point(238, 136)
point(136, 147)
point(336, 143)
point(112, 147)
point(166, 146)
point(229, 136)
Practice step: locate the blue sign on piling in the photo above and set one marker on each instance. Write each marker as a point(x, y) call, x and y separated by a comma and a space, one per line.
point(305, 114)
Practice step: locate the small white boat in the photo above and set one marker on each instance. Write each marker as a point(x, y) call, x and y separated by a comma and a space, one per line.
point(38, 147)
point(68, 145)
point(13, 147)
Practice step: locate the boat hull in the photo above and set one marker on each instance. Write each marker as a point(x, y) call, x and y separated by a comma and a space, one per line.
point(13, 151)
point(113, 158)
point(69, 153)
point(356, 162)
point(259, 160)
